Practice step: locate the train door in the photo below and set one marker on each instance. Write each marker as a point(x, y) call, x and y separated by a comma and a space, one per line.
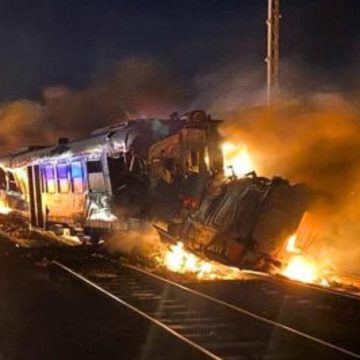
point(96, 179)
point(37, 218)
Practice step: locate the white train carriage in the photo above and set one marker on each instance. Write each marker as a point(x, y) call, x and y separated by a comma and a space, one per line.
point(92, 183)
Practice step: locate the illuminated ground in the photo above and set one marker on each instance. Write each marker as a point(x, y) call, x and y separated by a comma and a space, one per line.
point(43, 319)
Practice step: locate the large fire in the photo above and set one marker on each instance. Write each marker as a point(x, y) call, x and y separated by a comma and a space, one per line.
point(301, 266)
point(237, 160)
point(178, 259)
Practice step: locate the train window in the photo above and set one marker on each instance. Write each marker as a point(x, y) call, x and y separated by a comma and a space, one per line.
point(224, 213)
point(95, 176)
point(77, 178)
point(49, 178)
point(2, 179)
point(194, 156)
point(63, 178)
point(208, 208)
point(94, 167)
point(12, 182)
point(194, 161)
point(137, 165)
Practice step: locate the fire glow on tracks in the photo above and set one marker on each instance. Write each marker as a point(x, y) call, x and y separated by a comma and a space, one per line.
point(177, 259)
point(303, 267)
point(144, 293)
point(299, 266)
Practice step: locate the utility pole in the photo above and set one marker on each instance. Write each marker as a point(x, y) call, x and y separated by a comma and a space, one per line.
point(272, 58)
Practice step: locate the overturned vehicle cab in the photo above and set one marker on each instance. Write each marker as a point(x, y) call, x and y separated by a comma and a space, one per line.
point(243, 222)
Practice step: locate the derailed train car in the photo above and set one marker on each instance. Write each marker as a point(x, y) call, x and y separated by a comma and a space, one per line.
point(95, 184)
point(164, 169)
point(244, 222)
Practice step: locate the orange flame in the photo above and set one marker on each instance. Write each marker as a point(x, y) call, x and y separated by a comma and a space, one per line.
point(291, 245)
point(302, 269)
point(300, 266)
point(237, 160)
point(179, 260)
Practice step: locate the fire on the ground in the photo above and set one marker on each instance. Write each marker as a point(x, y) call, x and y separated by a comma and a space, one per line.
point(292, 258)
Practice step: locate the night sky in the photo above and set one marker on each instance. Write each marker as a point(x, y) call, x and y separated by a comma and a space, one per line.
point(65, 42)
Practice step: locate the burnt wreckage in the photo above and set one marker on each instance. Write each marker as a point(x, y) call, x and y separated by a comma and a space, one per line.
point(243, 222)
point(165, 169)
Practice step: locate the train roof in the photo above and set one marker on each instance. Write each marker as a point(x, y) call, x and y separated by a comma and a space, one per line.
point(116, 138)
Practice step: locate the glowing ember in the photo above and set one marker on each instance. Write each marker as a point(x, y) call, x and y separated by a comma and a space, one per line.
point(237, 160)
point(179, 260)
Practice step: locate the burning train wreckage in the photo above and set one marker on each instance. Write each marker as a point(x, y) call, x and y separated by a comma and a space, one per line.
point(171, 170)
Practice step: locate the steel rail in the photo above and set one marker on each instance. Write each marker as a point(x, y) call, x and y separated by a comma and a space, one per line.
point(247, 313)
point(137, 311)
point(284, 280)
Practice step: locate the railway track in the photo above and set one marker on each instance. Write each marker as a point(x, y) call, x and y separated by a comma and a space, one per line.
point(213, 326)
point(322, 313)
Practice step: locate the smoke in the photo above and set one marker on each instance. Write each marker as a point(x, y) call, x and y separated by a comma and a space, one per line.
point(306, 136)
point(315, 140)
point(134, 87)
point(139, 244)
point(19, 120)
point(228, 89)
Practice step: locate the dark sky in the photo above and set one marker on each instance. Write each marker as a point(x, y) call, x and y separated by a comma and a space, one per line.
point(69, 42)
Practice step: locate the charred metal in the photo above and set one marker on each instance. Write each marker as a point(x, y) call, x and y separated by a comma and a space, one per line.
point(243, 222)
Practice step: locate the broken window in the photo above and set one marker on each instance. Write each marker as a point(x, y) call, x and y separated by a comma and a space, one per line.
point(137, 166)
point(193, 161)
point(2, 179)
point(95, 176)
point(12, 182)
point(94, 166)
point(119, 171)
point(224, 214)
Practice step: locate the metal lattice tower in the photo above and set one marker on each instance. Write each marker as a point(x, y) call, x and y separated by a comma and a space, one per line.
point(272, 59)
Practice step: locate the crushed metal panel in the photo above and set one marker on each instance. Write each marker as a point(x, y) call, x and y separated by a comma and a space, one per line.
point(280, 216)
point(248, 223)
point(169, 147)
